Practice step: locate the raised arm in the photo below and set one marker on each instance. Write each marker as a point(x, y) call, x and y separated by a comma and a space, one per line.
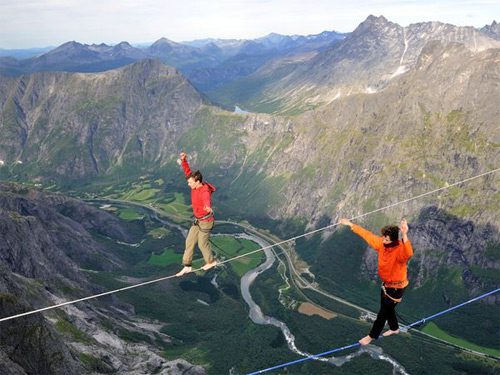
point(185, 164)
point(374, 241)
point(407, 248)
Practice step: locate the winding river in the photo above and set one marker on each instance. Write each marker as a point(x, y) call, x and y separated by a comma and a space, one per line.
point(256, 314)
point(258, 317)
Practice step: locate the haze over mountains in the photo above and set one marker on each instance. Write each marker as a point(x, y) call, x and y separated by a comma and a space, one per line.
point(224, 59)
point(352, 123)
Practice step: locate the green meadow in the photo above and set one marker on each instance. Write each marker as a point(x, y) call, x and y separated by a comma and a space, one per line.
point(229, 247)
point(433, 329)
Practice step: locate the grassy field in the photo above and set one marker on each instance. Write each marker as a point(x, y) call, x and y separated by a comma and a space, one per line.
point(166, 258)
point(176, 208)
point(433, 329)
point(141, 194)
point(230, 247)
point(152, 194)
point(159, 232)
point(129, 214)
point(169, 257)
point(225, 246)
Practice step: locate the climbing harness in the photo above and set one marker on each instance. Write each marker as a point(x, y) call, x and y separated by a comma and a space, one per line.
point(197, 220)
point(397, 300)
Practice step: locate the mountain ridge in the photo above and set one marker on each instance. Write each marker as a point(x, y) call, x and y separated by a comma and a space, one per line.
point(117, 97)
point(196, 59)
point(414, 114)
point(365, 61)
point(47, 257)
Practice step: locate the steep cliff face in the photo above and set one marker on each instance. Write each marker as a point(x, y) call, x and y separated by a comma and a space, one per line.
point(86, 124)
point(30, 345)
point(456, 242)
point(46, 241)
point(47, 238)
point(40, 252)
point(436, 125)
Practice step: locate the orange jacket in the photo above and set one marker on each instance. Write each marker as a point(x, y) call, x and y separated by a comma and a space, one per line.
point(391, 260)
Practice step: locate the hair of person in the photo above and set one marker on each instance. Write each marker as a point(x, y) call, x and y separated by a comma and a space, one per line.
point(196, 176)
point(392, 231)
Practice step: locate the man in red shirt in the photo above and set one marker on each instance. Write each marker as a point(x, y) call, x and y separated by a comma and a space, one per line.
point(199, 232)
point(393, 255)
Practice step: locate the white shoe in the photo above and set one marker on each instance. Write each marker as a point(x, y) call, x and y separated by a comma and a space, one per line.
point(185, 270)
point(207, 266)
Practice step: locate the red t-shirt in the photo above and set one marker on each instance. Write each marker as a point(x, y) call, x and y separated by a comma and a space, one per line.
point(200, 197)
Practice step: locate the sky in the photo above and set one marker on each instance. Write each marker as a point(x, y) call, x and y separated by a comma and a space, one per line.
point(42, 23)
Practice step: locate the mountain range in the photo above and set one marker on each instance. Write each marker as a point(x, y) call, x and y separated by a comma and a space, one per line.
point(365, 61)
point(352, 124)
point(207, 63)
point(216, 66)
point(156, 112)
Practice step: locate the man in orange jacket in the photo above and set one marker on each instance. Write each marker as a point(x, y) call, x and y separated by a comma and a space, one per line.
point(393, 254)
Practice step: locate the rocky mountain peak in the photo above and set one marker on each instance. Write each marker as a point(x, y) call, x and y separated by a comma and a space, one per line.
point(163, 40)
point(71, 47)
point(123, 45)
point(420, 33)
point(162, 45)
point(151, 67)
point(374, 23)
point(70, 44)
point(274, 35)
point(371, 37)
point(493, 30)
point(126, 51)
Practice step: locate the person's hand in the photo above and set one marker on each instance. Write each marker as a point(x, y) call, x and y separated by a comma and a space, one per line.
point(183, 156)
point(346, 222)
point(403, 226)
point(208, 209)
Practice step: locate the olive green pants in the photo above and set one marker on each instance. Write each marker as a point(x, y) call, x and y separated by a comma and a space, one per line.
point(198, 234)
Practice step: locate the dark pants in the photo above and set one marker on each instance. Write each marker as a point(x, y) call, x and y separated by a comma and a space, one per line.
point(387, 312)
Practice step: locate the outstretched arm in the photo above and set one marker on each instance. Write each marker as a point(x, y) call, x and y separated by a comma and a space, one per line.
point(375, 242)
